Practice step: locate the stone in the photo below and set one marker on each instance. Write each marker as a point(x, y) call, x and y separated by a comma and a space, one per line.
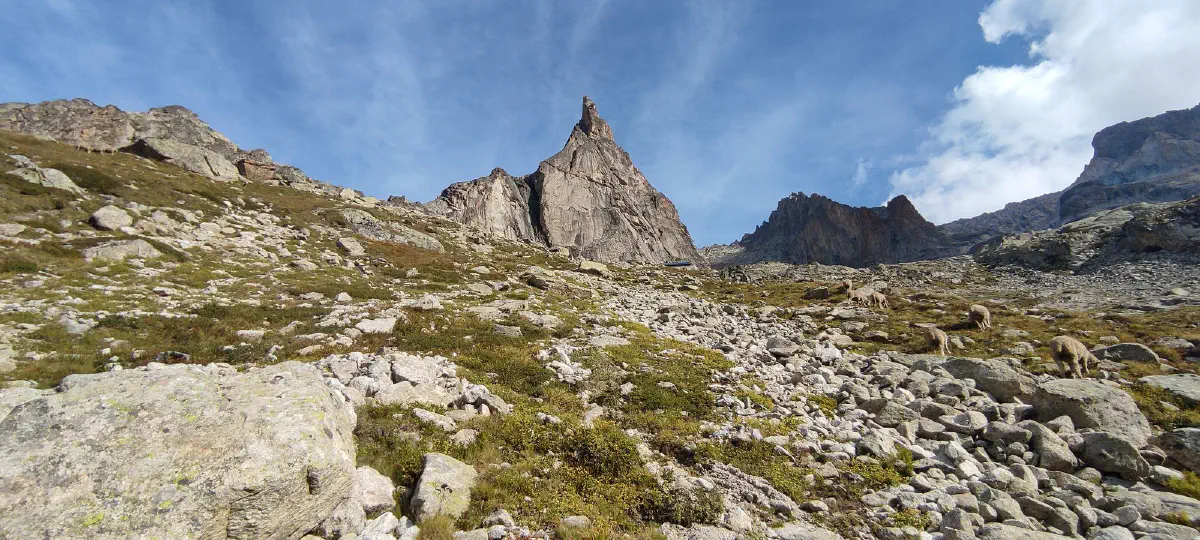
point(365, 224)
point(122, 249)
point(1053, 452)
point(1000, 531)
point(351, 247)
point(594, 268)
point(1112, 454)
point(186, 156)
point(876, 444)
point(1126, 352)
point(110, 218)
point(802, 530)
point(405, 393)
point(444, 487)
point(1112, 533)
point(781, 347)
point(381, 325)
point(376, 493)
point(992, 376)
point(575, 522)
point(1092, 404)
point(1185, 386)
point(1183, 446)
point(265, 453)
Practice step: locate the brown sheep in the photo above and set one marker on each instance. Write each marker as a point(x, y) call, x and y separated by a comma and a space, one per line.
point(1069, 353)
point(879, 300)
point(980, 316)
point(938, 340)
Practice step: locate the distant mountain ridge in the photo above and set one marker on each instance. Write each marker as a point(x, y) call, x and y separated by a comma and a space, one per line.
point(1152, 160)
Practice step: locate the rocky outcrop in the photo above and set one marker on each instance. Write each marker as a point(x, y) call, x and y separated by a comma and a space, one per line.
point(178, 451)
point(172, 134)
point(1101, 239)
point(806, 229)
point(1154, 159)
point(588, 199)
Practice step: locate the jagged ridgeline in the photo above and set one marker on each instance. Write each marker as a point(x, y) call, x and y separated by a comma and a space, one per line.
point(588, 199)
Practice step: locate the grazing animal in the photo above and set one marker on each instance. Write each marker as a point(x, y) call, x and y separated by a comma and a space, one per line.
point(847, 285)
point(938, 339)
point(859, 296)
point(980, 316)
point(1070, 354)
point(879, 300)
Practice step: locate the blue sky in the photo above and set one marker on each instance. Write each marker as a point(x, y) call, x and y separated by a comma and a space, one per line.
point(725, 106)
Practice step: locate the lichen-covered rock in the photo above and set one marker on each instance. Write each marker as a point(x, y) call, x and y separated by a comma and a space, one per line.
point(121, 249)
point(444, 487)
point(110, 218)
point(992, 376)
point(180, 451)
point(193, 158)
point(369, 226)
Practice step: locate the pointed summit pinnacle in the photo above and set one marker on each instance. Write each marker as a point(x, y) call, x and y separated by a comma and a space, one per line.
point(591, 123)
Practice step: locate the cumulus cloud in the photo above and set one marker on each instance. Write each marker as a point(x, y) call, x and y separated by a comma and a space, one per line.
point(1020, 131)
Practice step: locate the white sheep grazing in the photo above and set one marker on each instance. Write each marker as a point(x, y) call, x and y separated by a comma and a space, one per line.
point(979, 316)
point(879, 300)
point(859, 296)
point(938, 339)
point(1069, 353)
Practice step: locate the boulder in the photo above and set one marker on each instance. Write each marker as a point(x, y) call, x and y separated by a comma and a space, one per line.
point(993, 376)
point(1185, 386)
point(802, 530)
point(110, 218)
point(375, 491)
point(1000, 531)
point(381, 325)
point(181, 451)
point(594, 268)
point(1126, 352)
point(1091, 404)
point(1112, 454)
point(443, 489)
point(1183, 446)
point(185, 156)
point(122, 249)
point(367, 225)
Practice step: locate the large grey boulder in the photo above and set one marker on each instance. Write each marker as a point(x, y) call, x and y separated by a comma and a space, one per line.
point(993, 376)
point(51, 178)
point(192, 158)
point(1112, 454)
point(1185, 386)
point(1092, 404)
point(1126, 352)
point(181, 451)
point(121, 249)
point(1182, 445)
point(110, 218)
point(803, 530)
point(443, 489)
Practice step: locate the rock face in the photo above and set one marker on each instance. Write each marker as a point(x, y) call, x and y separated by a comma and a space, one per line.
point(1102, 238)
point(589, 198)
point(116, 455)
point(805, 229)
point(1029, 215)
point(1154, 159)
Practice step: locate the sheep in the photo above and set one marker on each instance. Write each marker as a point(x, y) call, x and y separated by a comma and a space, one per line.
point(1069, 353)
point(847, 285)
point(879, 300)
point(980, 316)
point(859, 296)
point(938, 339)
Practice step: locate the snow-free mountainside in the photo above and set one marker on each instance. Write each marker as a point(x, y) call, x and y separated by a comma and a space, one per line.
point(199, 342)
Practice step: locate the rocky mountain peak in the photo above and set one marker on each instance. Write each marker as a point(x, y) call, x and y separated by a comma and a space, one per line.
point(591, 123)
point(588, 199)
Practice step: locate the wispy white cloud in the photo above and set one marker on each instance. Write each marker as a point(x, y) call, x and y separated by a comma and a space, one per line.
point(860, 174)
point(1019, 131)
